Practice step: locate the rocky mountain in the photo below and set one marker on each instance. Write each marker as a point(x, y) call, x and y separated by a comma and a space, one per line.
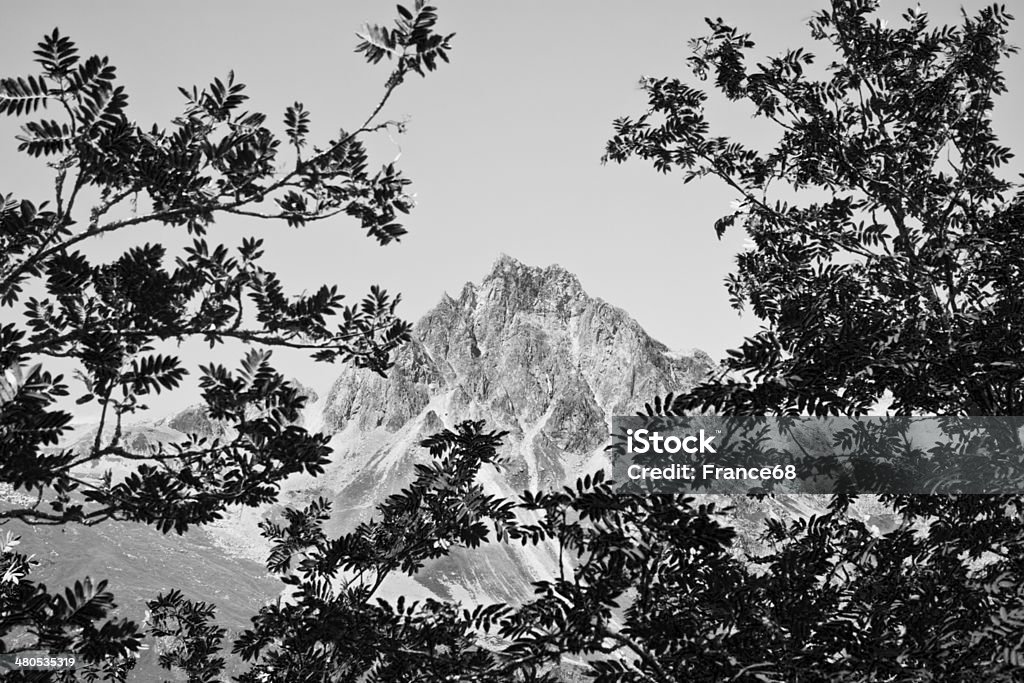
point(527, 350)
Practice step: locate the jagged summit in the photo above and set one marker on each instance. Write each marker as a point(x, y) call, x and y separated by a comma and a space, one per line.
point(544, 291)
point(525, 349)
point(530, 352)
point(519, 286)
point(514, 345)
point(510, 267)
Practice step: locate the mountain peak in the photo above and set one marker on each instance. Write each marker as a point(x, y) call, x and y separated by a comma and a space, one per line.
point(512, 346)
point(524, 286)
point(506, 264)
point(504, 260)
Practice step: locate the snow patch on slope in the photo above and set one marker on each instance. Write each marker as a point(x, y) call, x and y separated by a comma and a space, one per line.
point(526, 450)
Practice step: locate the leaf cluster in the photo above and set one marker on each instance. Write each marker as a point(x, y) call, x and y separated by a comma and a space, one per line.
point(116, 322)
point(646, 588)
point(77, 621)
point(884, 232)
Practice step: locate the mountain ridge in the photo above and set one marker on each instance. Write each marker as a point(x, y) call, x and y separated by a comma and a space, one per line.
point(527, 350)
point(530, 352)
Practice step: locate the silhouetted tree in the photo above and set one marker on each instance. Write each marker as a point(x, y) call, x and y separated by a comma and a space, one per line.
point(649, 588)
point(884, 259)
point(896, 274)
point(886, 241)
point(115, 321)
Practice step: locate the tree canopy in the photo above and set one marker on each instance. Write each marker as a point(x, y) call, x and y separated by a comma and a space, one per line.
point(885, 263)
point(117, 323)
point(885, 234)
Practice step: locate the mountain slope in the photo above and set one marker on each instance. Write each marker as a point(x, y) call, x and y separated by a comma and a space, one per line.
point(531, 353)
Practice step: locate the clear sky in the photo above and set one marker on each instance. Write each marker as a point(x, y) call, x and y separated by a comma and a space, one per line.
point(503, 144)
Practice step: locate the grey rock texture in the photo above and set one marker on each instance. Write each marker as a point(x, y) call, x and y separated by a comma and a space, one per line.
point(523, 342)
point(530, 352)
point(526, 350)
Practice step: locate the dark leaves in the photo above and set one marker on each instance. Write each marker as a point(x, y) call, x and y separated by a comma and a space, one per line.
point(412, 43)
point(117, 322)
point(155, 373)
point(57, 54)
point(193, 640)
point(296, 122)
point(73, 622)
point(863, 271)
point(44, 138)
point(855, 289)
point(22, 95)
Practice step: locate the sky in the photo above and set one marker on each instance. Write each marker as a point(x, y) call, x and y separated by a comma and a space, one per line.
point(503, 144)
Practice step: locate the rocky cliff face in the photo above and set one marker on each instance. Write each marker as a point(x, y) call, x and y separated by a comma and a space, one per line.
point(526, 350)
point(531, 353)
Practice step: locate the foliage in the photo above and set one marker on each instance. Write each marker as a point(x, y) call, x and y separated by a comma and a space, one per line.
point(332, 627)
point(193, 641)
point(116, 322)
point(886, 239)
point(33, 620)
point(883, 261)
point(894, 275)
point(648, 588)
